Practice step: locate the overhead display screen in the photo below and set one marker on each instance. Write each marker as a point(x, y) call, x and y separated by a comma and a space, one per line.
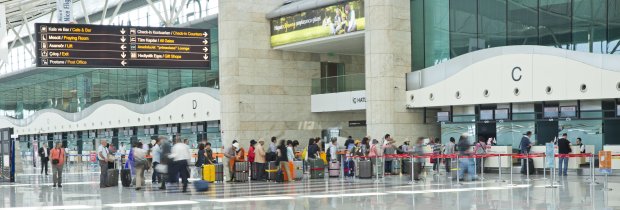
point(76, 45)
point(342, 18)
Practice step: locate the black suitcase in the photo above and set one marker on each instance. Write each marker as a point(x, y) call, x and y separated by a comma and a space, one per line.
point(364, 169)
point(242, 170)
point(219, 172)
point(349, 168)
point(112, 177)
point(279, 176)
point(317, 168)
point(406, 167)
point(531, 167)
point(126, 177)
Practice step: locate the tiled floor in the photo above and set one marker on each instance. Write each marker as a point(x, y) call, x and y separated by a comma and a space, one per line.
point(81, 191)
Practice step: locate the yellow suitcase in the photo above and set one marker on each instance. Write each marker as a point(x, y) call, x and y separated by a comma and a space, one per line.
point(208, 173)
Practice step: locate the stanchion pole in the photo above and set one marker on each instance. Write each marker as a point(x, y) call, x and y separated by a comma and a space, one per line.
point(458, 182)
point(511, 171)
point(551, 185)
point(342, 167)
point(545, 167)
point(499, 159)
point(482, 168)
point(375, 167)
point(412, 171)
point(606, 184)
point(592, 179)
point(527, 167)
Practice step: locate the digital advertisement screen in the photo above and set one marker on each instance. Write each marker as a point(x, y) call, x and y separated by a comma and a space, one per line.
point(550, 112)
point(101, 46)
point(342, 18)
point(486, 114)
point(568, 111)
point(501, 114)
point(443, 116)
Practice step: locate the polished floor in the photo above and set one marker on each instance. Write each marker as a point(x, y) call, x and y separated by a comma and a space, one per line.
point(81, 191)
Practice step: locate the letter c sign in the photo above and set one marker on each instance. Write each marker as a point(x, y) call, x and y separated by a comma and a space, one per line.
point(194, 104)
point(516, 76)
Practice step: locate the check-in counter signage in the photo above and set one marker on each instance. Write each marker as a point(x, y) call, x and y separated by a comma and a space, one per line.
point(342, 18)
point(79, 45)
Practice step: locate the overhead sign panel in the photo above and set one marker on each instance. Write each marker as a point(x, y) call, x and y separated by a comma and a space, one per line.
point(74, 45)
point(342, 18)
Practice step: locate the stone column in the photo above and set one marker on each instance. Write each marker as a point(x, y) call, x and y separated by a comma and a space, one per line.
point(388, 59)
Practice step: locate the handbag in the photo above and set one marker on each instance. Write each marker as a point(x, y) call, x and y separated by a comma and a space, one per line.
point(111, 158)
point(56, 161)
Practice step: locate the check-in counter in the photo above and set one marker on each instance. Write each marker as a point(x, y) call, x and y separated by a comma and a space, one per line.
point(73, 156)
point(493, 162)
point(615, 150)
point(573, 162)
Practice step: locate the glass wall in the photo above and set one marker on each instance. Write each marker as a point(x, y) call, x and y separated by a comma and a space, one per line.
point(444, 29)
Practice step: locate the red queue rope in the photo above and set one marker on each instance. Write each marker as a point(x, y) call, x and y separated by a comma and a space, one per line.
point(477, 156)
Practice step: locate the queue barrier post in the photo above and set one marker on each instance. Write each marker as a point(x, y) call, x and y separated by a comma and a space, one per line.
point(545, 168)
point(499, 160)
point(592, 178)
point(553, 173)
point(458, 182)
point(482, 167)
point(511, 171)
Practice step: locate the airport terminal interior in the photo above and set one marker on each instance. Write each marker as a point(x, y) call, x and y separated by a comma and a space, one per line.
point(309, 104)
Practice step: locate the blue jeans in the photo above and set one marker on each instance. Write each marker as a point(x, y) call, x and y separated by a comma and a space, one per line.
point(563, 161)
point(467, 164)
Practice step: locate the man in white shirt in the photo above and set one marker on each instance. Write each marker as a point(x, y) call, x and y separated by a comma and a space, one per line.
point(44, 154)
point(180, 155)
point(102, 155)
point(156, 153)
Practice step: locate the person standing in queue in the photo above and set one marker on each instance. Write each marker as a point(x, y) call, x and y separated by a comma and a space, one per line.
point(156, 153)
point(563, 149)
point(140, 163)
point(418, 150)
point(582, 147)
point(465, 164)
point(449, 150)
point(102, 154)
point(259, 159)
point(58, 160)
point(282, 152)
point(271, 153)
point(45, 157)
point(524, 147)
point(165, 150)
point(181, 156)
point(202, 158)
point(231, 155)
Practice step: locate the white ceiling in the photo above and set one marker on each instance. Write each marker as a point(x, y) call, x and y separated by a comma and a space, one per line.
point(347, 44)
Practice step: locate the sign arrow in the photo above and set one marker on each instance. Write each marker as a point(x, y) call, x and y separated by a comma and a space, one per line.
point(123, 47)
point(205, 49)
point(205, 34)
point(123, 54)
point(205, 57)
point(123, 63)
point(122, 31)
point(205, 41)
point(123, 39)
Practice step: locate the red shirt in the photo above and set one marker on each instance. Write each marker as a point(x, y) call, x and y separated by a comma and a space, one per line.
point(251, 155)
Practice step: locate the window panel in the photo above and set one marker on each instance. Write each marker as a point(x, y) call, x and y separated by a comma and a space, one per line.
point(463, 27)
point(522, 22)
point(436, 32)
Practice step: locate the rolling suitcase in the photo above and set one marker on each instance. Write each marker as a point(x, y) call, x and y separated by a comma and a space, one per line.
point(349, 168)
point(219, 172)
point(126, 177)
point(201, 185)
point(317, 168)
point(406, 166)
point(271, 170)
point(395, 167)
point(532, 170)
point(242, 170)
point(254, 174)
point(112, 177)
point(365, 169)
point(334, 169)
point(279, 176)
point(208, 173)
point(298, 168)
